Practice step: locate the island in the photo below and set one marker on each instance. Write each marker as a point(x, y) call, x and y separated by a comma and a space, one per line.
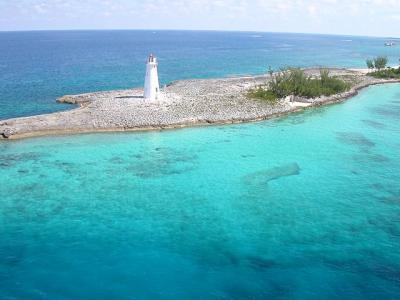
point(183, 103)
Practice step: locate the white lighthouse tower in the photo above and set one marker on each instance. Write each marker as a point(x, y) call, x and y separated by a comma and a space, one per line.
point(151, 83)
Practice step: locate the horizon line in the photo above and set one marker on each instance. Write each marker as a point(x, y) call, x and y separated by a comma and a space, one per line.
point(198, 30)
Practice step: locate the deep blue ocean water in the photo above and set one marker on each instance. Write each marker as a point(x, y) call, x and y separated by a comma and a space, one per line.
point(301, 207)
point(38, 67)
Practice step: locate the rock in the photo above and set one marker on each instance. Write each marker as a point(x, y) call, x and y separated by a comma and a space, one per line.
point(7, 132)
point(66, 99)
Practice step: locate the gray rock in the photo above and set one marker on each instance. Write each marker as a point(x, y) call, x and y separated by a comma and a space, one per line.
point(7, 132)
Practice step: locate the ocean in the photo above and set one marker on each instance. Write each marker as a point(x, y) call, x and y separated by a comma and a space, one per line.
point(300, 207)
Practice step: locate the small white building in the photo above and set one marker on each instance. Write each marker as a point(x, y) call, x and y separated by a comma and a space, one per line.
point(151, 83)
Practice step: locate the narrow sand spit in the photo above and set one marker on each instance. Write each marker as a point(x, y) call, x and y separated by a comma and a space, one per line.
point(185, 103)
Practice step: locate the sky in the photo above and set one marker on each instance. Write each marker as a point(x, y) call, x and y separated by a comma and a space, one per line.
point(350, 17)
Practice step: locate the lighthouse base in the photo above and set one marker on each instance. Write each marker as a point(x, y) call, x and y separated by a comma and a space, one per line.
point(161, 97)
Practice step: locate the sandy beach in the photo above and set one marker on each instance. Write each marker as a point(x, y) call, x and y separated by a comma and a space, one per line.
point(185, 103)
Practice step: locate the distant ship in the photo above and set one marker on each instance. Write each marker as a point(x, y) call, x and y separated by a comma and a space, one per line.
point(390, 44)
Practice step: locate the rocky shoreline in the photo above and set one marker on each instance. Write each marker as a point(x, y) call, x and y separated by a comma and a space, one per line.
point(185, 103)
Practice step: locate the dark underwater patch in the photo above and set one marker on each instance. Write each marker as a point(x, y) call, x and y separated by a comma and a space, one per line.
point(185, 158)
point(270, 290)
point(30, 188)
point(387, 194)
point(379, 158)
point(237, 291)
point(11, 255)
point(116, 160)
point(391, 200)
point(374, 124)
point(354, 139)
point(347, 264)
point(369, 265)
point(368, 157)
point(137, 156)
point(162, 162)
point(230, 257)
point(378, 186)
point(280, 291)
point(248, 155)
point(259, 263)
point(386, 272)
point(387, 225)
point(392, 111)
point(67, 167)
point(10, 160)
point(263, 177)
point(12, 260)
point(3, 279)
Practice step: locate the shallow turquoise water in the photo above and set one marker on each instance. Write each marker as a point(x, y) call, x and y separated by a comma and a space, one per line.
point(303, 207)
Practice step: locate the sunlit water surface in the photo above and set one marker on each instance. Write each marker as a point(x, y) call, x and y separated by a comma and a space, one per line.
point(303, 207)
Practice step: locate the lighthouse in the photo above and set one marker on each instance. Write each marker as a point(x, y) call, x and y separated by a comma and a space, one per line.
point(151, 84)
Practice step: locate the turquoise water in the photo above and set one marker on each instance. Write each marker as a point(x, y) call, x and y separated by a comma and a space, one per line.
point(38, 67)
point(303, 207)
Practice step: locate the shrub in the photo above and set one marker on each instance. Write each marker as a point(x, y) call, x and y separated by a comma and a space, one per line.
point(380, 62)
point(386, 74)
point(262, 93)
point(370, 64)
point(295, 82)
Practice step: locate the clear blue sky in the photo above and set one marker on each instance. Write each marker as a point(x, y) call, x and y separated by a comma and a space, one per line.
point(353, 17)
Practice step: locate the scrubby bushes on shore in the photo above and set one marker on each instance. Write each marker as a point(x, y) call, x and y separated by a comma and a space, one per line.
point(295, 82)
point(389, 73)
point(377, 63)
point(379, 70)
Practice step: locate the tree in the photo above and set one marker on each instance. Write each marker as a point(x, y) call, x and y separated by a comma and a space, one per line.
point(380, 62)
point(370, 64)
point(270, 71)
point(324, 75)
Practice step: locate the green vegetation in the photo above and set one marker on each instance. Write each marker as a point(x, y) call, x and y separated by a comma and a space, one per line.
point(378, 63)
point(370, 64)
point(388, 73)
point(295, 82)
point(263, 93)
point(379, 70)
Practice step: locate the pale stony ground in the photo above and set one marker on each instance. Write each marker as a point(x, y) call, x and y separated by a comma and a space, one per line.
point(185, 103)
